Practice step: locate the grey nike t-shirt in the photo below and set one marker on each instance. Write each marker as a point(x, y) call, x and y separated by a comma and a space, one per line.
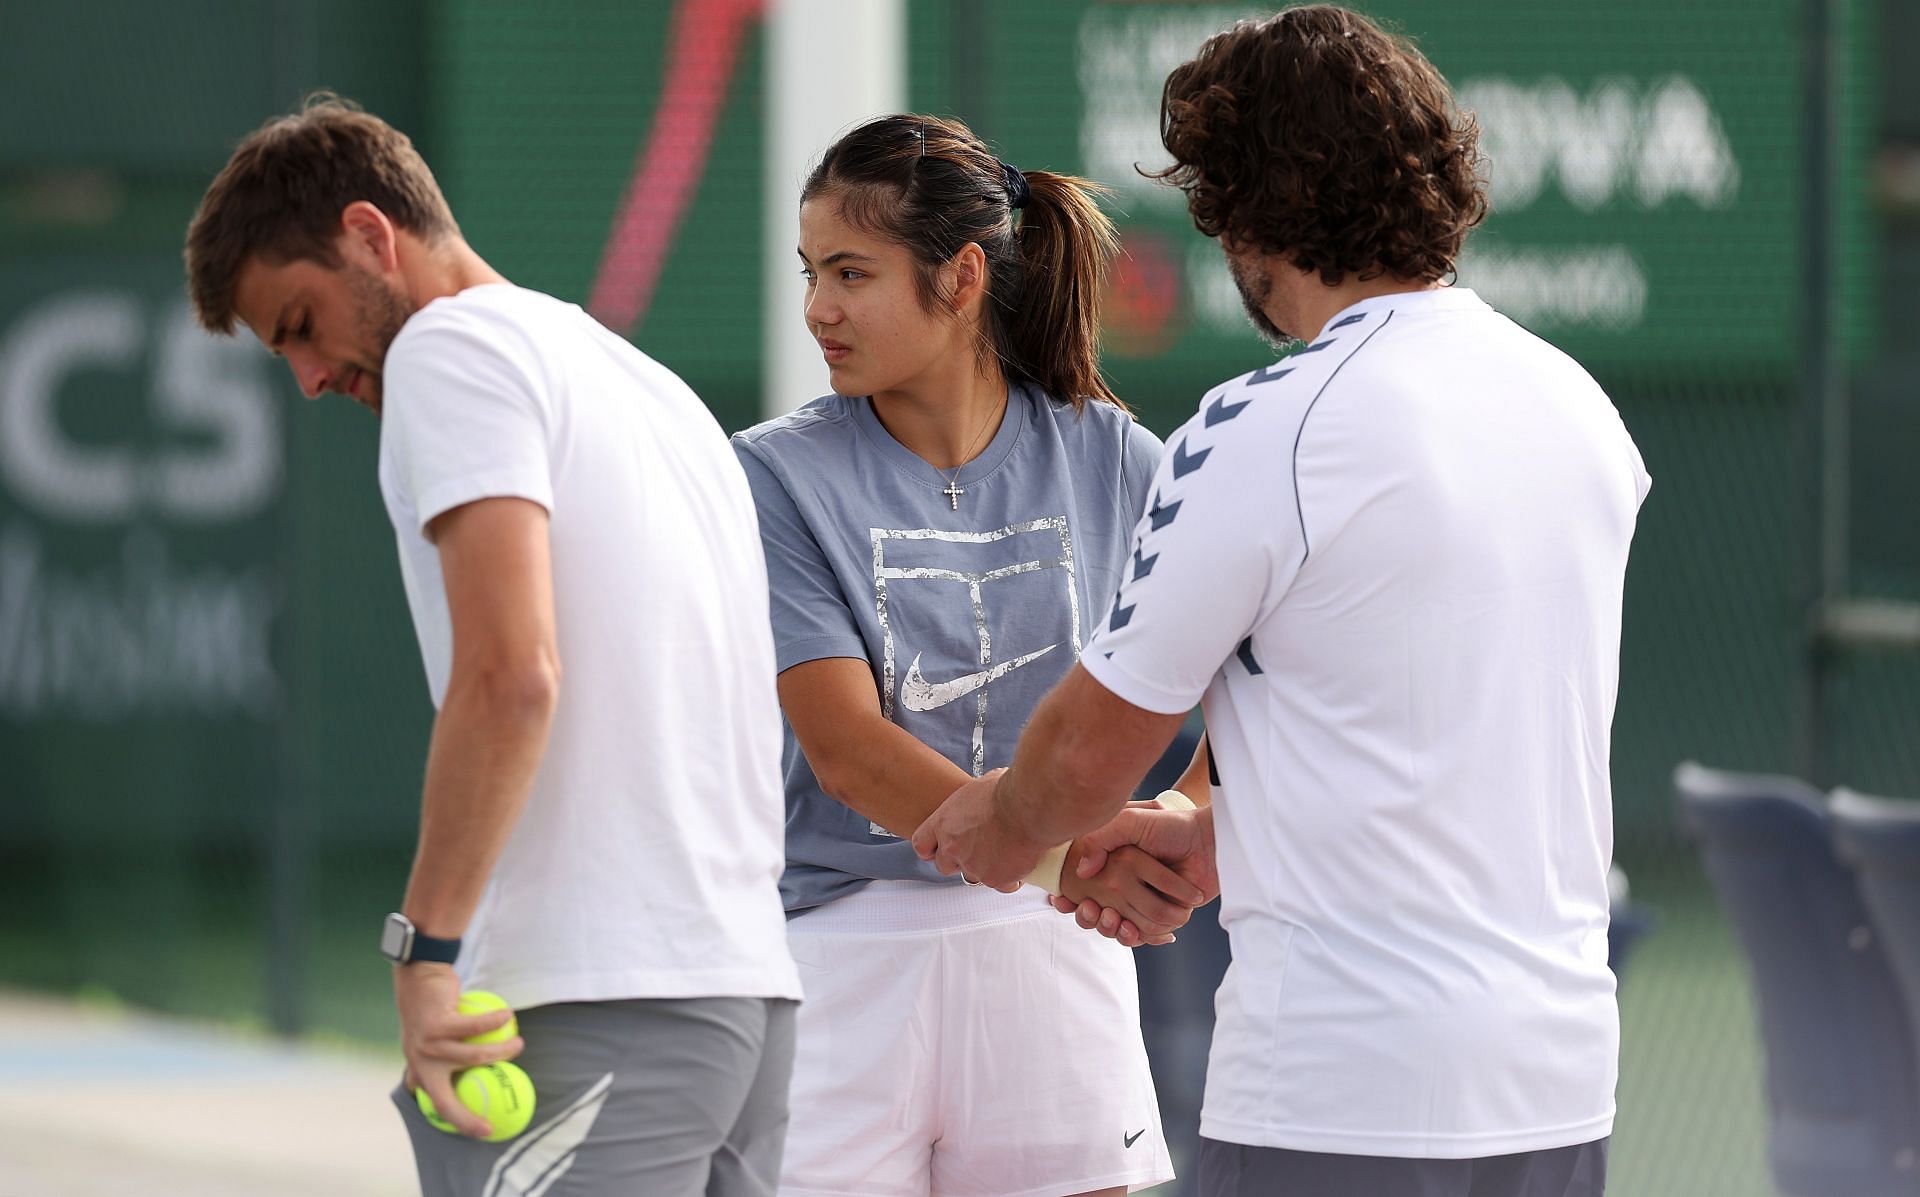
point(968, 608)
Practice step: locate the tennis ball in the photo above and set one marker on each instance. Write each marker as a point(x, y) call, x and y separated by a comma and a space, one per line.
point(501, 1093)
point(479, 1001)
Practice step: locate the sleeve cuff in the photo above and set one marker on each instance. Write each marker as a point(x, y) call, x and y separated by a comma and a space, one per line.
point(1129, 688)
point(817, 648)
point(493, 484)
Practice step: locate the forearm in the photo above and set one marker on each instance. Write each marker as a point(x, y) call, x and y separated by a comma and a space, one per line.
point(1197, 782)
point(883, 772)
point(1060, 785)
point(1083, 752)
point(486, 747)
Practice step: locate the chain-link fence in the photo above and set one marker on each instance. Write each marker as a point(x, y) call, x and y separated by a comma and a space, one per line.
point(211, 709)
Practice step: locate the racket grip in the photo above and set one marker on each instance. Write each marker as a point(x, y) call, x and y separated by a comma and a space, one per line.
point(1047, 874)
point(1173, 800)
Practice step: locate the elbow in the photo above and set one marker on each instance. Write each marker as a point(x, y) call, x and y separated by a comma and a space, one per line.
point(835, 779)
point(841, 768)
point(532, 688)
point(522, 692)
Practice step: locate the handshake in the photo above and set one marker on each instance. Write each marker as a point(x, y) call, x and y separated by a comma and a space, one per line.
point(1136, 879)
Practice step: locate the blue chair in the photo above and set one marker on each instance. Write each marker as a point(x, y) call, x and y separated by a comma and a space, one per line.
point(1880, 838)
point(1841, 1089)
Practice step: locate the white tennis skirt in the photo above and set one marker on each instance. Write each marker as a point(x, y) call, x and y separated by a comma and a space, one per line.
point(960, 1042)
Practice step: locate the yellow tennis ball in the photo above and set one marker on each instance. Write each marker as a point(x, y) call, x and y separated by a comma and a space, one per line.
point(501, 1093)
point(479, 1001)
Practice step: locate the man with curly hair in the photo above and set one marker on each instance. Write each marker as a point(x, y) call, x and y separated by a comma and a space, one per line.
point(1390, 567)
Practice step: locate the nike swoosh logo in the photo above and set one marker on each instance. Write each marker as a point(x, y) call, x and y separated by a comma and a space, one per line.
point(918, 694)
point(1135, 1135)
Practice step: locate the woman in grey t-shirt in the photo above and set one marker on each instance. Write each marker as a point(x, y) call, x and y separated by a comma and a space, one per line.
point(942, 533)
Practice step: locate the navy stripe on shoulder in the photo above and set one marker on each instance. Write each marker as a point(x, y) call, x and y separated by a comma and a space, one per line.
point(1306, 548)
point(1220, 411)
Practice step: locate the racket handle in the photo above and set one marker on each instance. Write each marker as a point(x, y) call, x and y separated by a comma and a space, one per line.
point(1047, 874)
point(1173, 800)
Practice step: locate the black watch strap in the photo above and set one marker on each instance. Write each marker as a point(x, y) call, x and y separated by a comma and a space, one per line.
point(433, 950)
point(402, 943)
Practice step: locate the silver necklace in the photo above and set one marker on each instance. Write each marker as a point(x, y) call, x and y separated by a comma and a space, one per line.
point(954, 490)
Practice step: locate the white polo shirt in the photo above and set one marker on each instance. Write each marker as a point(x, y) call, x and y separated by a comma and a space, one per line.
point(647, 860)
point(1392, 565)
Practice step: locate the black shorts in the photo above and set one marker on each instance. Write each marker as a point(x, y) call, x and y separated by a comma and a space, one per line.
point(1235, 1170)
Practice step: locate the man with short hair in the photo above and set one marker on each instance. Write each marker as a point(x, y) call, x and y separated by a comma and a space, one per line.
point(1390, 566)
point(600, 833)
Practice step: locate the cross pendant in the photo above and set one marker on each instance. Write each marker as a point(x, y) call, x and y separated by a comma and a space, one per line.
point(953, 493)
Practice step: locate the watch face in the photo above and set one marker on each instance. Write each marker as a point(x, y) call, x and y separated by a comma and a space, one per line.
point(396, 938)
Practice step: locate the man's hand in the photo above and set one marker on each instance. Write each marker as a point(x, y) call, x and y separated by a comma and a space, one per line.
point(970, 836)
point(1150, 898)
point(1182, 840)
point(432, 1034)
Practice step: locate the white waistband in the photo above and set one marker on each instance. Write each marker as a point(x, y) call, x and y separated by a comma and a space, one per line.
point(916, 906)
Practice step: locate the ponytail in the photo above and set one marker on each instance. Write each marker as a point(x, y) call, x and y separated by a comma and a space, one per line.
point(1067, 246)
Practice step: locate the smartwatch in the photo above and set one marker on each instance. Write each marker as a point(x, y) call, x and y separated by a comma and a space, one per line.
point(402, 943)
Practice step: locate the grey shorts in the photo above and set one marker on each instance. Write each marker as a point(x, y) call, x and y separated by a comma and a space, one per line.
point(1235, 1170)
point(669, 1098)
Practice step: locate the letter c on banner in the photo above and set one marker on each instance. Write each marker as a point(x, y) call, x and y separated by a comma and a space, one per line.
point(37, 461)
point(216, 454)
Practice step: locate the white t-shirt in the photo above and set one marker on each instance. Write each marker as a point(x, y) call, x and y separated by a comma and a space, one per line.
point(647, 860)
point(1392, 564)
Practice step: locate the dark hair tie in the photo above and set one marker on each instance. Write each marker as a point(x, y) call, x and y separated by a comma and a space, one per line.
point(1018, 193)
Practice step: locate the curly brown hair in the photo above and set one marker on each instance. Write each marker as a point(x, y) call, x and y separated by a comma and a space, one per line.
point(1319, 137)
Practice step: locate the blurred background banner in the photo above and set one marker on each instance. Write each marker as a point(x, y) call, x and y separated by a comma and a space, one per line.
point(213, 719)
point(1647, 171)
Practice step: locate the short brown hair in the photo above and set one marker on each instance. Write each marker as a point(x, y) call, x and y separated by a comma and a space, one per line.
point(1318, 136)
point(281, 194)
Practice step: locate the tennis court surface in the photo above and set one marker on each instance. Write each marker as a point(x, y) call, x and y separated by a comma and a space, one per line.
point(109, 1103)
